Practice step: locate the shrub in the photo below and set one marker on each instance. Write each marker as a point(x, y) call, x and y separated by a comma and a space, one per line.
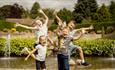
point(6, 26)
point(17, 45)
point(2, 45)
point(98, 47)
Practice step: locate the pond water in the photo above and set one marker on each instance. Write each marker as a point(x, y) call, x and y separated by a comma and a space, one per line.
point(98, 63)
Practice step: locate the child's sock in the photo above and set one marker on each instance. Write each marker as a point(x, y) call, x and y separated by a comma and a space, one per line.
point(82, 61)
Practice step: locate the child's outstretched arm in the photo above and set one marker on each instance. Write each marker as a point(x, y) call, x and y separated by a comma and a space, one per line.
point(46, 17)
point(81, 32)
point(31, 54)
point(91, 27)
point(24, 26)
point(58, 19)
point(50, 40)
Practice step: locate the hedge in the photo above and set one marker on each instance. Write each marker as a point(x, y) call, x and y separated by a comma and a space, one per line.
point(98, 47)
point(5, 26)
point(17, 44)
point(98, 25)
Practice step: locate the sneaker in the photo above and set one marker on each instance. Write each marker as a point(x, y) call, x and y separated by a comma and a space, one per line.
point(85, 64)
point(71, 62)
point(24, 51)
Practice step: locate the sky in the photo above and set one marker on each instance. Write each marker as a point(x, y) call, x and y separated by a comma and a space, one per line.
point(55, 4)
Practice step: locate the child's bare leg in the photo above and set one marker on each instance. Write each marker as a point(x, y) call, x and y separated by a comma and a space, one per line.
point(26, 49)
point(31, 55)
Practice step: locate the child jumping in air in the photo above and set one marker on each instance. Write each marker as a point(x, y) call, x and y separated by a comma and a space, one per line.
point(64, 40)
point(41, 28)
point(72, 32)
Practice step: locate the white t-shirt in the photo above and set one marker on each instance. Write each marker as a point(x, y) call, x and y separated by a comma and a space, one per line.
point(42, 30)
point(72, 32)
point(41, 52)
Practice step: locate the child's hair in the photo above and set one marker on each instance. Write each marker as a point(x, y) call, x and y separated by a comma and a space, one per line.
point(72, 23)
point(40, 19)
point(41, 36)
point(66, 28)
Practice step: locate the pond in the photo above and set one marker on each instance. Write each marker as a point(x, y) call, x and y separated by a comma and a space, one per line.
point(98, 63)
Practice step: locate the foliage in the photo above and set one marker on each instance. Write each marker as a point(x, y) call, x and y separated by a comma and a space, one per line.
point(103, 14)
point(53, 26)
point(97, 26)
point(6, 26)
point(112, 10)
point(34, 10)
point(2, 45)
point(99, 47)
point(84, 9)
point(65, 15)
point(11, 11)
point(19, 43)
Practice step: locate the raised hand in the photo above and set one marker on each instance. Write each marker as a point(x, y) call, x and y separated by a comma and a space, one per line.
point(17, 24)
point(83, 30)
point(91, 27)
point(40, 10)
point(55, 12)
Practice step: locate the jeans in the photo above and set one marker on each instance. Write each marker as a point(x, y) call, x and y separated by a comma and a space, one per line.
point(63, 62)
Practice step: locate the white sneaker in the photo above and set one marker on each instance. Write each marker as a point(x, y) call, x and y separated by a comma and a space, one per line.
point(78, 61)
point(71, 62)
point(24, 51)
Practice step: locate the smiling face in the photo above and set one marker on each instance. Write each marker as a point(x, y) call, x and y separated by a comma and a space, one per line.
point(65, 32)
point(42, 40)
point(71, 25)
point(39, 23)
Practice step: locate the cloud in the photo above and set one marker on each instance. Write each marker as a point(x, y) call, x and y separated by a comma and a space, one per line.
point(56, 4)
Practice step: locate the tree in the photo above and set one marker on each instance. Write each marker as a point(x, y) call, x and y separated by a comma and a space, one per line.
point(103, 14)
point(34, 10)
point(84, 9)
point(16, 11)
point(5, 11)
point(112, 10)
point(65, 15)
point(26, 13)
point(11, 11)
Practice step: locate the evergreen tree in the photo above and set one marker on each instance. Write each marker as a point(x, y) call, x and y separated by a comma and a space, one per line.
point(34, 10)
point(112, 10)
point(65, 15)
point(103, 14)
point(84, 9)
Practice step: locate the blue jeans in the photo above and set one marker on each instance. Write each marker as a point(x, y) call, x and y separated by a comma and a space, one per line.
point(63, 62)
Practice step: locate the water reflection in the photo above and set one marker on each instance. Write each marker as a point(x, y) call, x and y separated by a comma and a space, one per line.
point(19, 63)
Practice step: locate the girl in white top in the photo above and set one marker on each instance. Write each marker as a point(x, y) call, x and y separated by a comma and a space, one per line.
point(40, 27)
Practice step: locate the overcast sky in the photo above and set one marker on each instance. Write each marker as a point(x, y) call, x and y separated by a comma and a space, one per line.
point(56, 4)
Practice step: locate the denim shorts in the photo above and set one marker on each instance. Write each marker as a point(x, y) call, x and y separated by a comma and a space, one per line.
point(40, 65)
point(72, 49)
